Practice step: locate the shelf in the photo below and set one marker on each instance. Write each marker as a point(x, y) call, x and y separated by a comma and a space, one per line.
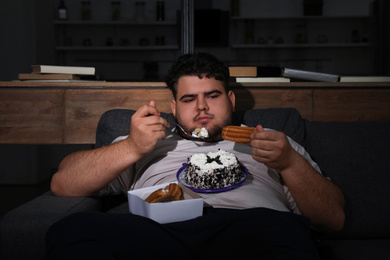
point(121, 23)
point(293, 46)
point(301, 18)
point(117, 48)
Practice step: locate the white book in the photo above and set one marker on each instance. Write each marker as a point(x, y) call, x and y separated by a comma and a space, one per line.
point(261, 79)
point(364, 79)
point(63, 69)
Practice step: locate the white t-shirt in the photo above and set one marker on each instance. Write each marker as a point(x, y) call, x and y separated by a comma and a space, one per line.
point(262, 188)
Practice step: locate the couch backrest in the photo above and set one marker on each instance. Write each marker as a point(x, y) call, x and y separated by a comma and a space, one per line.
point(116, 122)
point(356, 156)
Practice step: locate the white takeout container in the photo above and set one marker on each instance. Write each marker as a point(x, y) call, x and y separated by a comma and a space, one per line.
point(165, 212)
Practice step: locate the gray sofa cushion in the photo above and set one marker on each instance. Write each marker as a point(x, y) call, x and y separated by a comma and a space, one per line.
point(23, 230)
point(356, 156)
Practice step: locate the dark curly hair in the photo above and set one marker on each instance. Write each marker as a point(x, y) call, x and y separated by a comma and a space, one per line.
point(199, 64)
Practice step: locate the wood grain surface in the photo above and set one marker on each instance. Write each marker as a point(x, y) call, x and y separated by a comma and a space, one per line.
point(68, 113)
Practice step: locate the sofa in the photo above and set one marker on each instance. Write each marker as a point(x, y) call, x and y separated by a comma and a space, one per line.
point(354, 155)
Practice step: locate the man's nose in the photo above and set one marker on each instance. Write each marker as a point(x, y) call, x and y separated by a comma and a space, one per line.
point(202, 105)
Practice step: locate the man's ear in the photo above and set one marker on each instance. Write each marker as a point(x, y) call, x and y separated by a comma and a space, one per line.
point(232, 98)
point(173, 107)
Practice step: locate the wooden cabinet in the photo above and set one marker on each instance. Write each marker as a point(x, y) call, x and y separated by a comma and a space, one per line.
point(351, 105)
point(31, 116)
point(249, 98)
point(68, 113)
point(84, 108)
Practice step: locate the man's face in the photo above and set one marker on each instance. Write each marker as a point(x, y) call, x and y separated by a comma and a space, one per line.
point(203, 103)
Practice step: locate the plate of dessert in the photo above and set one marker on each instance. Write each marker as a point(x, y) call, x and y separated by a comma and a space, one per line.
point(212, 172)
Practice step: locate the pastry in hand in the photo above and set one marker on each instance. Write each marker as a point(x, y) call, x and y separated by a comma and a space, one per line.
point(238, 134)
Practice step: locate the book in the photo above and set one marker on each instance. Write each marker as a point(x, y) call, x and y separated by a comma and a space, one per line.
point(63, 69)
point(364, 79)
point(260, 79)
point(309, 75)
point(265, 71)
point(255, 71)
point(61, 80)
point(51, 76)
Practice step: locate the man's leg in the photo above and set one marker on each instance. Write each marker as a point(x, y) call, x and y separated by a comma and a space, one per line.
point(219, 233)
point(249, 234)
point(93, 235)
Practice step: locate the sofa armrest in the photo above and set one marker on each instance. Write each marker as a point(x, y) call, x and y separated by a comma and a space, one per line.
point(23, 230)
point(355, 156)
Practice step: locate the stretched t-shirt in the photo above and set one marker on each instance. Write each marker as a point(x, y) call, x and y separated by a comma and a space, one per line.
point(263, 187)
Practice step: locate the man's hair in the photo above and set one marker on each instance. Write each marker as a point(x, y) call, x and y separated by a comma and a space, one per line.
point(199, 64)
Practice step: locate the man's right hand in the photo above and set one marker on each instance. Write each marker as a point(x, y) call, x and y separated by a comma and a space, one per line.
point(84, 173)
point(147, 127)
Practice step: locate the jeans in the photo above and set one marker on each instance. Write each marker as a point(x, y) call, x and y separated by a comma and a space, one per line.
point(256, 233)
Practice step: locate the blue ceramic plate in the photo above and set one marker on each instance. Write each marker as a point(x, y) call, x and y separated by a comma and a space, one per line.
point(180, 177)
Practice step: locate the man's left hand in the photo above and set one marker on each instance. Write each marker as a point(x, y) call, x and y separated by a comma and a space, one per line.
point(272, 148)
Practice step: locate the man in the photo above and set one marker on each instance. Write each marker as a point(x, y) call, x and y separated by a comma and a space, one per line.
point(268, 216)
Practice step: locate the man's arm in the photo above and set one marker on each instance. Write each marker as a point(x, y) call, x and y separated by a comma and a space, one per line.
point(84, 173)
point(317, 197)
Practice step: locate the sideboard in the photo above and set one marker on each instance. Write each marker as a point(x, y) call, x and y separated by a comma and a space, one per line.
point(68, 112)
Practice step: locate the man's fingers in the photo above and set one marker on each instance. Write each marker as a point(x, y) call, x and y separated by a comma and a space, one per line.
point(148, 110)
point(260, 128)
point(156, 120)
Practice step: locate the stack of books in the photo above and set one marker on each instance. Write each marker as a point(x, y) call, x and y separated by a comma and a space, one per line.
point(277, 74)
point(56, 73)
